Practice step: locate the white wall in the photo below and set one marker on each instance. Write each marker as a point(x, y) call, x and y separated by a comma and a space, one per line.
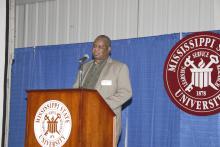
point(46, 22)
point(2, 58)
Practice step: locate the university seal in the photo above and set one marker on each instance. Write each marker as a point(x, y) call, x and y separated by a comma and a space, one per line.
point(52, 124)
point(192, 73)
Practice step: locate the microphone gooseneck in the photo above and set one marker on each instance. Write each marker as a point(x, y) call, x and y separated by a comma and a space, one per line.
point(81, 62)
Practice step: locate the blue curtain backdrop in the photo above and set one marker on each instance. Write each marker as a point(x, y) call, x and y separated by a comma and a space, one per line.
point(149, 120)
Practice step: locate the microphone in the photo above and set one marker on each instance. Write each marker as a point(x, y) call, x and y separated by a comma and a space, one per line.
point(84, 58)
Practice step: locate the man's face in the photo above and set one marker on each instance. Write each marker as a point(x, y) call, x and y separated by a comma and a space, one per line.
point(100, 50)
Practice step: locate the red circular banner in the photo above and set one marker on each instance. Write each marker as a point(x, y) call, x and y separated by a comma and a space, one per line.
point(192, 73)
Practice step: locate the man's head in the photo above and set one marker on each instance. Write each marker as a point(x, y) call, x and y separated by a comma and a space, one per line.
point(101, 48)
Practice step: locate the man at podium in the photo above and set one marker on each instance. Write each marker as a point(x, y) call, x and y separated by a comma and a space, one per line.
point(109, 77)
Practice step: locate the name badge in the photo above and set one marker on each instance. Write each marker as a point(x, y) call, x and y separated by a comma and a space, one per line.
point(106, 82)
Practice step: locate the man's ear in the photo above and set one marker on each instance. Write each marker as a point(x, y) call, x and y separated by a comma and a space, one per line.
point(109, 49)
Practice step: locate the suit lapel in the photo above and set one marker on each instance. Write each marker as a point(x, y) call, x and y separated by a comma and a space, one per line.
point(103, 72)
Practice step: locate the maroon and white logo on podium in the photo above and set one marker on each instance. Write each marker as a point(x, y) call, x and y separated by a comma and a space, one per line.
point(52, 124)
point(192, 73)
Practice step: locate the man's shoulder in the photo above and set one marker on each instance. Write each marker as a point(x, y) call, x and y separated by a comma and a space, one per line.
point(116, 62)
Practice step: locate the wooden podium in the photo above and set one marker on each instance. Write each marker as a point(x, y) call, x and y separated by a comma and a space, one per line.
point(93, 123)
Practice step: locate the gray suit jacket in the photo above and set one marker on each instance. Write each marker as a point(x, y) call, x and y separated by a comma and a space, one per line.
point(113, 85)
